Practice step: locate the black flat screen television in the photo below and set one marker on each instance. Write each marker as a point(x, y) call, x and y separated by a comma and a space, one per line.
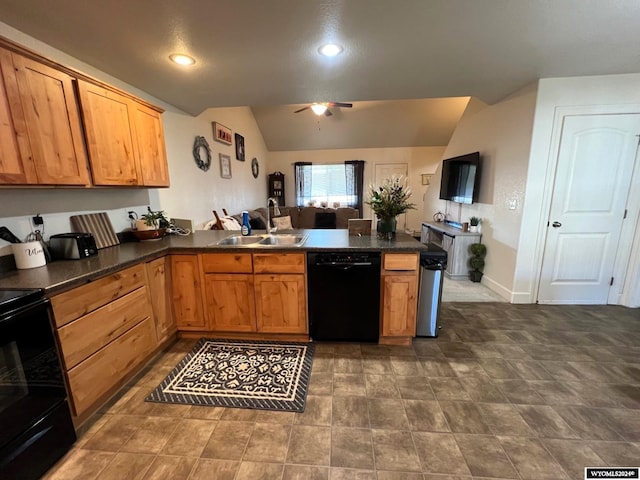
point(461, 178)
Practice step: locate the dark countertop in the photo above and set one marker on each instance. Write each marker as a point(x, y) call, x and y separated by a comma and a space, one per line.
point(64, 274)
point(449, 230)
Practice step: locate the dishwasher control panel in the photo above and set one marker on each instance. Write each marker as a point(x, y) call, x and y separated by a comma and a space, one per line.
point(356, 258)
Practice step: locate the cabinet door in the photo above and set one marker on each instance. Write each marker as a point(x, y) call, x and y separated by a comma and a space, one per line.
point(230, 302)
point(399, 303)
point(281, 303)
point(53, 123)
point(150, 146)
point(16, 163)
point(187, 293)
point(158, 280)
point(109, 132)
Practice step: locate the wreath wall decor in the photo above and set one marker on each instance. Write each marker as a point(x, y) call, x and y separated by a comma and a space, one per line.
point(202, 153)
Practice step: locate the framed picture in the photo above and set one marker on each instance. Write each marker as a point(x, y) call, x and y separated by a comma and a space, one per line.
point(221, 133)
point(225, 166)
point(239, 147)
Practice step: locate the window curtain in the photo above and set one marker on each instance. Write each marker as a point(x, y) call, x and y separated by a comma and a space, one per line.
point(302, 179)
point(354, 171)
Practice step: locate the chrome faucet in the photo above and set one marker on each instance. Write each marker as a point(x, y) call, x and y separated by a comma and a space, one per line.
point(276, 211)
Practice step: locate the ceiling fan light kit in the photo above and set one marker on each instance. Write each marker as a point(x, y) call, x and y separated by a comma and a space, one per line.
point(319, 108)
point(322, 108)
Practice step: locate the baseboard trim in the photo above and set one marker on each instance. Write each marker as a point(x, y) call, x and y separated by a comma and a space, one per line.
point(496, 287)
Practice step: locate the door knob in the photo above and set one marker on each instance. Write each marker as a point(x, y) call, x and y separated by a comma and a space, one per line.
point(556, 224)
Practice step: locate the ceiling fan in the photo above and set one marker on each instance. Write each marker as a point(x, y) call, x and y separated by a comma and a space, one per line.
point(322, 108)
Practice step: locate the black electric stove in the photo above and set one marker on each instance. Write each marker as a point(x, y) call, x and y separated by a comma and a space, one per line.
point(36, 423)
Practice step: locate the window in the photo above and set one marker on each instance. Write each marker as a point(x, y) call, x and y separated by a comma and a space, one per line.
point(329, 184)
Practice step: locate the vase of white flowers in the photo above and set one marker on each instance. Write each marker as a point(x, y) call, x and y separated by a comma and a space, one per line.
point(387, 202)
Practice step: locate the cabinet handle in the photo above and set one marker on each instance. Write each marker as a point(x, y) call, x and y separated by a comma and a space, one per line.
point(556, 224)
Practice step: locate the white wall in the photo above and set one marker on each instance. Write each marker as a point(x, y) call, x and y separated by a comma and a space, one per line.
point(419, 159)
point(502, 134)
point(596, 94)
point(195, 193)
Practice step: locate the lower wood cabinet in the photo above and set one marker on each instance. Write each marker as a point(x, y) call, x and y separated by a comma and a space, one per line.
point(159, 282)
point(187, 293)
point(229, 301)
point(399, 297)
point(255, 293)
point(105, 330)
point(99, 373)
point(281, 305)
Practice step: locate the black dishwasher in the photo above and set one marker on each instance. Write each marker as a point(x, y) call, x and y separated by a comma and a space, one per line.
point(344, 296)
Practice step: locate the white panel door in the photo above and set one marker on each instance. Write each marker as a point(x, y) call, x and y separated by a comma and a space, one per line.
point(595, 162)
point(388, 170)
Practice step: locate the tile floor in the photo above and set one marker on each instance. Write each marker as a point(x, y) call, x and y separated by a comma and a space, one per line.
point(467, 291)
point(506, 392)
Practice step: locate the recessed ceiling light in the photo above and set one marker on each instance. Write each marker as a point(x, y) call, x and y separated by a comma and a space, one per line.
point(182, 59)
point(330, 50)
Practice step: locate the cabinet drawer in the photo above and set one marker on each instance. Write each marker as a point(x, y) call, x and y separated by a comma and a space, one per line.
point(226, 263)
point(82, 300)
point(88, 334)
point(94, 377)
point(400, 261)
point(279, 262)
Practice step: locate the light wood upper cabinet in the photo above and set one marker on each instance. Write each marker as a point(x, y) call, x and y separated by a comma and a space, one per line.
point(109, 134)
point(16, 162)
point(125, 139)
point(152, 154)
point(47, 105)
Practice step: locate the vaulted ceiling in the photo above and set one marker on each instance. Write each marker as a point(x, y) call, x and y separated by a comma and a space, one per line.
point(263, 53)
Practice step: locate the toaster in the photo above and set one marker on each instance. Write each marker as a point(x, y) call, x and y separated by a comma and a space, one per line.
point(72, 245)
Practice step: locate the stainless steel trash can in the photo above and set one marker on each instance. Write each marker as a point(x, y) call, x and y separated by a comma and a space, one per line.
point(432, 265)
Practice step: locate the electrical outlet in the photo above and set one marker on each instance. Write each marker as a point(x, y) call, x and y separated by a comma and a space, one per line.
point(513, 204)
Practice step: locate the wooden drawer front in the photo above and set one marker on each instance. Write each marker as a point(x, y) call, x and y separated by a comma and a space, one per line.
point(400, 261)
point(279, 262)
point(100, 372)
point(90, 333)
point(81, 300)
point(226, 263)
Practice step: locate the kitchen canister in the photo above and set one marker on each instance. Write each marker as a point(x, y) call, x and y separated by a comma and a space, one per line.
point(28, 255)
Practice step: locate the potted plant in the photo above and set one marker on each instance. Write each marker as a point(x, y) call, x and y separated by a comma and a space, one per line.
point(476, 261)
point(473, 224)
point(152, 220)
point(152, 225)
point(389, 201)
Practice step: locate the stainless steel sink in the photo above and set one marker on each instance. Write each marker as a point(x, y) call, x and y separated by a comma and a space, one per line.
point(240, 240)
point(282, 240)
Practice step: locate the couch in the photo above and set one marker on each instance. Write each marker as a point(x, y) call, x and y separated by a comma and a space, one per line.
point(302, 217)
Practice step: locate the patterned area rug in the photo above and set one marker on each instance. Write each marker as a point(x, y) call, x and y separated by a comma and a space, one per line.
point(244, 374)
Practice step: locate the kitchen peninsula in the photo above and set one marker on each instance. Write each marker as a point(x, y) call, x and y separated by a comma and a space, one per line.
point(114, 311)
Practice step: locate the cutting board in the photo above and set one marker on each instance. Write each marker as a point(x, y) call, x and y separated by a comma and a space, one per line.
point(99, 225)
